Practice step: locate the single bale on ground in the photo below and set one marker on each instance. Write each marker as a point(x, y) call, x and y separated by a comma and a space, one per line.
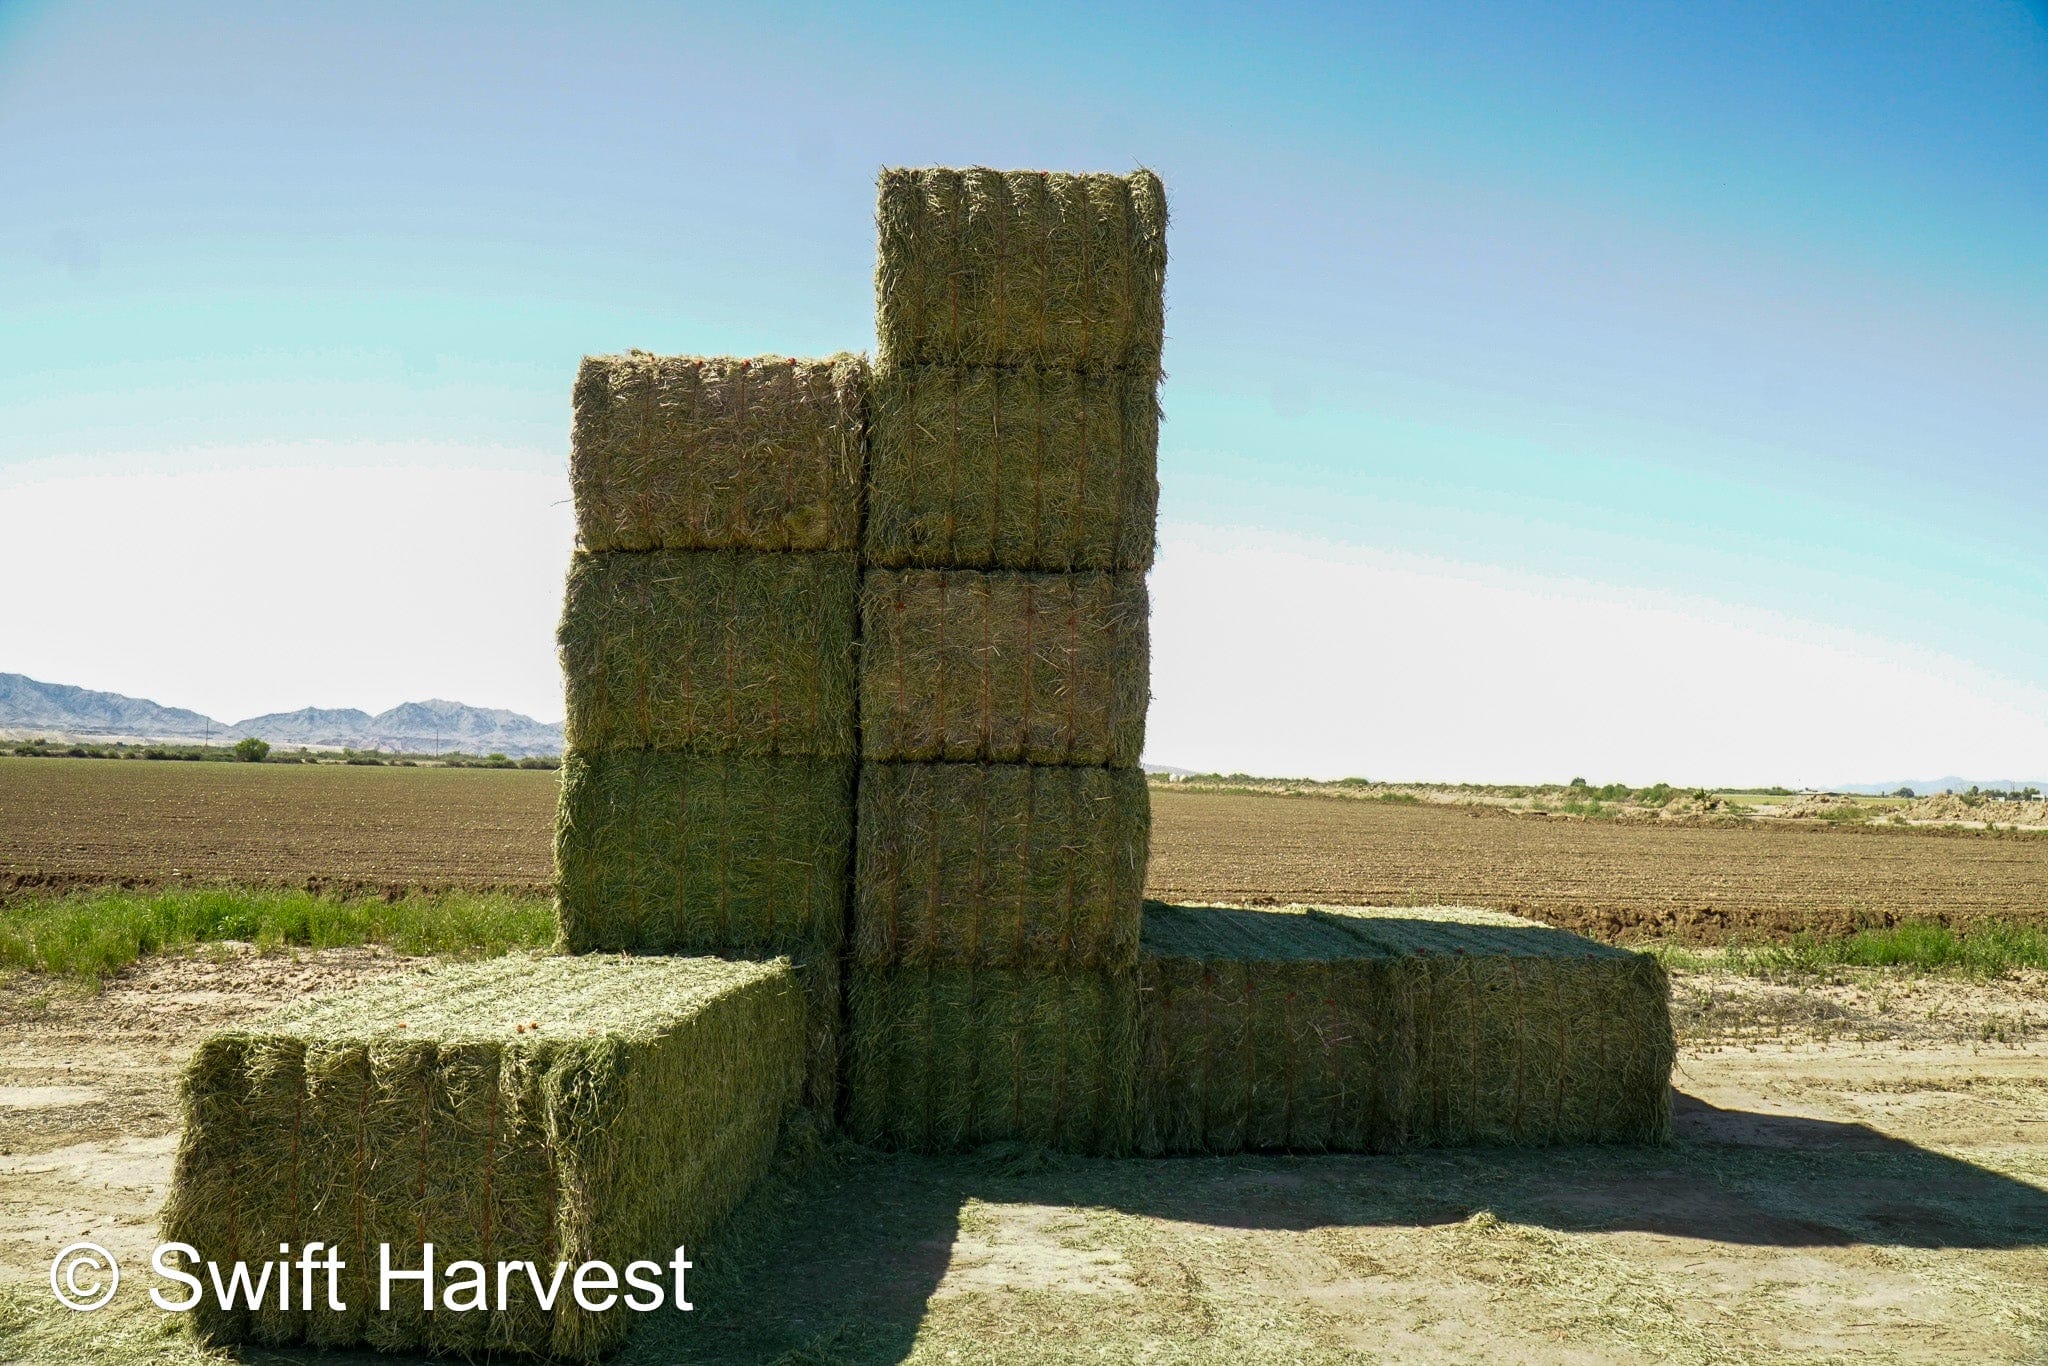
point(946, 1059)
point(525, 1109)
point(682, 853)
point(1377, 1030)
point(991, 267)
point(1267, 1030)
point(1026, 468)
point(999, 865)
point(1525, 1034)
point(710, 653)
point(969, 665)
point(718, 452)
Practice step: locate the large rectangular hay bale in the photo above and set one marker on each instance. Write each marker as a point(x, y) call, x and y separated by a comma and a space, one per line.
point(999, 865)
point(682, 853)
point(718, 452)
point(532, 1109)
point(1525, 1034)
point(969, 665)
point(1267, 1030)
point(710, 652)
point(946, 1059)
point(1381, 1029)
point(1020, 267)
point(1029, 468)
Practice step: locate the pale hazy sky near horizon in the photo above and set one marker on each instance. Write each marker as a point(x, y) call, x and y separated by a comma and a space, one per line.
point(1638, 391)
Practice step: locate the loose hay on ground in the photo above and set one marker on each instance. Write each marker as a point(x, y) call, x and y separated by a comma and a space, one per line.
point(1004, 667)
point(1015, 267)
point(718, 453)
point(1384, 1029)
point(999, 865)
point(538, 1109)
point(1028, 468)
point(946, 1059)
point(709, 652)
point(678, 853)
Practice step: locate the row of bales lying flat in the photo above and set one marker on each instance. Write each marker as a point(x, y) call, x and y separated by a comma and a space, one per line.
point(852, 831)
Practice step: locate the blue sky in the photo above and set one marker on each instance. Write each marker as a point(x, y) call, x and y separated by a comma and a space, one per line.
point(1738, 310)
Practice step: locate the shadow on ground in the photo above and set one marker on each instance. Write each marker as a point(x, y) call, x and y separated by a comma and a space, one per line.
point(843, 1270)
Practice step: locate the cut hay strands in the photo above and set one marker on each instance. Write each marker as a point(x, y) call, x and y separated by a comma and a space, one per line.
point(540, 1109)
point(946, 1059)
point(718, 453)
point(677, 853)
point(710, 653)
point(1265, 1030)
point(1385, 1029)
point(1004, 667)
point(999, 865)
point(1020, 267)
point(1524, 1033)
point(1029, 468)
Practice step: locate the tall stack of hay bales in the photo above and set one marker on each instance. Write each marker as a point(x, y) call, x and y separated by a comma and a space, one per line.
point(1003, 819)
point(707, 648)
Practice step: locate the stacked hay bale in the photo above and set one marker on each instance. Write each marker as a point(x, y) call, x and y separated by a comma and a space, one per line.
point(708, 652)
point(1003, 821)
point(1382, 1029)
point(539, 1110)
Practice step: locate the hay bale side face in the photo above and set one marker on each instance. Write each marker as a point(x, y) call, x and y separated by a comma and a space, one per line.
point(1266, 1030)
point(718, 453)
point(710, 653)
point(946, 1059)
point(676, 853)
point(1524, 1033)
point(526, 1108)
point(965, 665)
point(999, 865)
point(1018, 267)
point(1029, 468)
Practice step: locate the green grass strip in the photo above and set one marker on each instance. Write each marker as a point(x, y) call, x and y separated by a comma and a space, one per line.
point(97, 933)
point(1991, 948)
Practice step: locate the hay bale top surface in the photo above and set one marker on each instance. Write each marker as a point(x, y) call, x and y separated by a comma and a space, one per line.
point(521, 997)
point(1334, 933)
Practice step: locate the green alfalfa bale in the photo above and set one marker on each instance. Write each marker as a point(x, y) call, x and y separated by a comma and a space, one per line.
point(1021, 267)
point(947, 1059)
point(1029, 468)
point(710, 653)
point(523, 1109)
point(680, 853)
point(718, 452)
point(1266, 1030)
point(1003, 667)
point(1524, 1034)
point(999, 865)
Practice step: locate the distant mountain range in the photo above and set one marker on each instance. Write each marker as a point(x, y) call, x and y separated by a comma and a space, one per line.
point(1926, 786)
point(29, 707)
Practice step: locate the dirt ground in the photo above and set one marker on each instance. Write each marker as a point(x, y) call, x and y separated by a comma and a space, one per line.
point(1861, 1173)
point(67, 822)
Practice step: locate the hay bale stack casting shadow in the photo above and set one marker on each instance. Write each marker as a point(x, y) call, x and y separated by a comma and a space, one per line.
point(538, 1109)
point(710, 652)
point(718, 452)
point(1027, 468)
point(1376, 1030)
point(949, 1058)
point(1004, 667)
point(999, 865)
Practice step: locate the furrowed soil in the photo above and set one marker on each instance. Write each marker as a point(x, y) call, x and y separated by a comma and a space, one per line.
point(1861, 1172)
point(76, 822)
